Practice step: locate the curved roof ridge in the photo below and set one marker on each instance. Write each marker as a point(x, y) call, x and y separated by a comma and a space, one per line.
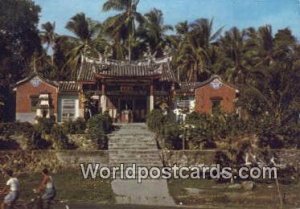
point(36, 74)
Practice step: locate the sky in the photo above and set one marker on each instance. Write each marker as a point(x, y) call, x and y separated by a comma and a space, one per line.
point(226, 13)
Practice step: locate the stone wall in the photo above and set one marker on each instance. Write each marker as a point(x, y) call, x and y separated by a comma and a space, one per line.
point(187, 157)
point(34, 161)
point(24, 161)
point(206, 157)
point(83, 142)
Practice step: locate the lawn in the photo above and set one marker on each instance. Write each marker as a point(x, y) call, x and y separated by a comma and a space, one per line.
point(70, 186)
point(212, 194)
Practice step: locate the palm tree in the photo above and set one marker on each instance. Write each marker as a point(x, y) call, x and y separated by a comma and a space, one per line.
point(48, 37)
point(122, 27)
point(265, 46)
point(86, 38)
point(233, 47)
point(195, 49)
point(153, 31)
point(204, 29)
point(182, 28)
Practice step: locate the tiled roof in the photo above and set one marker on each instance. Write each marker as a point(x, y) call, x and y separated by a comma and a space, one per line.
point(187, 87)
point(213, 77)
point(67, 86)
point(35, 74)
point(90, 68)
point(64, 86)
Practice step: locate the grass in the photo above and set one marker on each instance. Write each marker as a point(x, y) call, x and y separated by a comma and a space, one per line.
point(219, 195)
point(70, 187)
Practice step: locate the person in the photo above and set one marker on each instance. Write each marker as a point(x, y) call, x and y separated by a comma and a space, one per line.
point(47, 187)
point(11, 190)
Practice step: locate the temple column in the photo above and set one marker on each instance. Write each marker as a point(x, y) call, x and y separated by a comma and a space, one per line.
point(151, 98)
point(81, 102)
point(173, 96)
point(103, 99)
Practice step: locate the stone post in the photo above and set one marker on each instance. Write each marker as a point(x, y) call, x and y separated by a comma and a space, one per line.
point(151, 98)
point(103, 99)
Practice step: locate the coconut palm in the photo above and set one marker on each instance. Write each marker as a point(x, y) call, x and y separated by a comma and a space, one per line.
point(233, 47)
point(122, 27)
point(86, 37)
point(48, 37)
point(154, 32)
point(182, 28)
point(265, 45)
point(195, 49)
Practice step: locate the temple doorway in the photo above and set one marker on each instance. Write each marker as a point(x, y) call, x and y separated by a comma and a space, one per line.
point(128, 109)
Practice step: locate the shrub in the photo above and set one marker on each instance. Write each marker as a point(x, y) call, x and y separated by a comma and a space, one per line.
point(8, 144)
point(60, 138)
point(77, 126)
point(155, 120)
point(98, 126)
point(45, 125)
point(8, 129)
point(278, 136)
point(205, 130)
point(165, 126)
point(37, 142)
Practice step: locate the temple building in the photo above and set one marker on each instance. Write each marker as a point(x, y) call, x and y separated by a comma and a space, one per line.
point(127, 91)
point(208, 96)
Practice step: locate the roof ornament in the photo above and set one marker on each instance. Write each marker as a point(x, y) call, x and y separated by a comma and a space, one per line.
point(107, 53)
point(150, 57)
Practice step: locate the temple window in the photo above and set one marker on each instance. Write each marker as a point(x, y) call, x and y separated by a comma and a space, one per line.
point(34, 102)
point(216, 104)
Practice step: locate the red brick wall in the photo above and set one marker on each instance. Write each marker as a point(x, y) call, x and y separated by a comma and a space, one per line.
point(204, 94)
point(25, 90)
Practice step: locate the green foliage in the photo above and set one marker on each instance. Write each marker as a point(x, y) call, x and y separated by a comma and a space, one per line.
point(166, 127)
point(45, 125)
point(278, 136)
point(77, 126)
point(8, 144)
point(204, 130)
point(36, 141)
point(98, 126)
point(60, 138)
point(155, 120)
point(8, 129)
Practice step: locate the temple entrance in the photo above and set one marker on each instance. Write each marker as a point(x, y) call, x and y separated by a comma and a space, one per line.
point(128, 109)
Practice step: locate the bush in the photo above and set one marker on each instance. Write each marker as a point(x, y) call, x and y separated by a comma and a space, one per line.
point(155, 120)
point(8, 144)
point(45, 125)
point(278, 136)
point(165, 126)
point(98, 126)
point(205, 130)
point(8, 129)
point(75, 127)
point(37, 142)
point(60, 138)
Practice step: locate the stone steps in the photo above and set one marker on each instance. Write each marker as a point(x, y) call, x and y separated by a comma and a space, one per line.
point(134, 144)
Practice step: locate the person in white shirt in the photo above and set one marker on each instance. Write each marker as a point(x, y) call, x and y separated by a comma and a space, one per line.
point(11, 190)
point(48, 189)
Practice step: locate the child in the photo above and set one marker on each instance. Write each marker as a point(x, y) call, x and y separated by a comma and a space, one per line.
point(47, 187)
point(11, 190)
